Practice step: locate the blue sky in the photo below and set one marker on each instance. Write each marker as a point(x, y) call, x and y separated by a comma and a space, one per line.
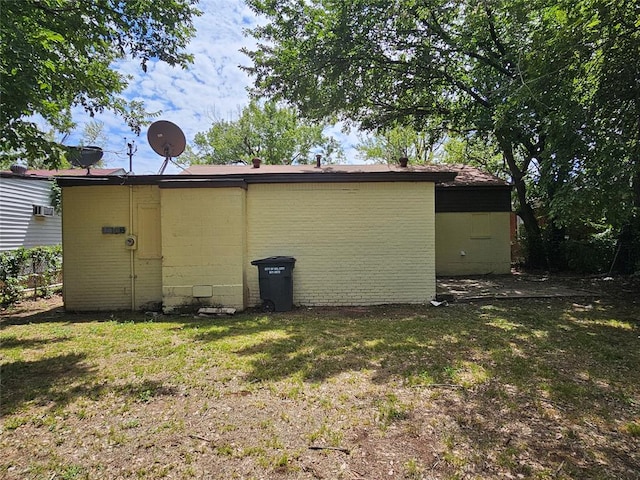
point(212, 85)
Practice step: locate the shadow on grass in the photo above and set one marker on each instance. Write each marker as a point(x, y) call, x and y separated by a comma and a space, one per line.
point(40, 381)
point(141, 392)
point(59, 315)
point(57, 381)
point(10, 342)
point(523, 345)
point(542, 365)
point(52, 311)
point(24, 314)
point(544, 382)
point(317, 344)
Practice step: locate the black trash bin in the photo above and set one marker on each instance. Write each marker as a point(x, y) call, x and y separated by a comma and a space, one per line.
point(276, 285)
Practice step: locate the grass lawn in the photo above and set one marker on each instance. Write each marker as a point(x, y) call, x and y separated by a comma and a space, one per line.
point(546, 389)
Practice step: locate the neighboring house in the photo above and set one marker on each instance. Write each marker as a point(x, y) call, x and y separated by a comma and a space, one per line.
point(27, 218)
point(361, 235)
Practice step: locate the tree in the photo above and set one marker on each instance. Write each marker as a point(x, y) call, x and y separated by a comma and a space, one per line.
point(59, 54)
point(477, 152)
point(591, 171)
point(274, 134)
point(93, 134)
point(522, 76)
point(389, 144)
point(463, 63)
point(611, 91)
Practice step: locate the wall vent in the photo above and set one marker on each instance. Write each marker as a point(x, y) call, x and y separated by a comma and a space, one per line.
point(43, 211)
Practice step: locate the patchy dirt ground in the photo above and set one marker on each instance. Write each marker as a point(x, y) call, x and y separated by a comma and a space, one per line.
point(41, 308)
point(390, 396)
point(525, 285)
point(518, 284)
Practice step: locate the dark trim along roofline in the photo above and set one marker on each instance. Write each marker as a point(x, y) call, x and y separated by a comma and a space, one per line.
point(495, 198)
point(23, 177)
point(238, 180)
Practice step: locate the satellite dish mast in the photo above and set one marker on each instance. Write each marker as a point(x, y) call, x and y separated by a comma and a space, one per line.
point(85, 157)
point(166, 139)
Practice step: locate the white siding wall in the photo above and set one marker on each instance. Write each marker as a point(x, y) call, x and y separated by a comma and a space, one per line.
point(18, 226)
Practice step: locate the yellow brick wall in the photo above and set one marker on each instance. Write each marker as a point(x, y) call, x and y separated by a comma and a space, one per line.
point(97, 267)
point(483, 237)
point(203, 245)
point(355, 243)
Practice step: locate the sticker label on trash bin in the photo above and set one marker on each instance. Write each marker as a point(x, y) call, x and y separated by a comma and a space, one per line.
point(274, 270)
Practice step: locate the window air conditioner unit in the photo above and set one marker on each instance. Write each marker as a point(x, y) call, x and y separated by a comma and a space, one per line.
point(43, 211)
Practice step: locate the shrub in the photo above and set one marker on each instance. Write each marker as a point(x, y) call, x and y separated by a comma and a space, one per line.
point(591, 255)
point(38, 267)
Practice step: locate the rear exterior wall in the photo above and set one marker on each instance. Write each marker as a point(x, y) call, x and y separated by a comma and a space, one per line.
point(473, 243)
point(99, 271)
point(354, 243)
point(203, 247)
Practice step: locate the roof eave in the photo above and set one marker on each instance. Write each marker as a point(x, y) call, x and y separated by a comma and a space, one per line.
point(181, 181)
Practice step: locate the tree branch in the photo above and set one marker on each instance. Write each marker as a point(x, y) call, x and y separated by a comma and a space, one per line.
point(450, 41)
point(492, 30)
point(467, 89)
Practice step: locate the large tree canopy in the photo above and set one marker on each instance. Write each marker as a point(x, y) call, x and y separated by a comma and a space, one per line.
point(275, 134)
point(529, 77)
point(58, 54)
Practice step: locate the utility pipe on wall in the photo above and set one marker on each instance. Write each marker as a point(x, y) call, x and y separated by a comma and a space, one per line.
point(132, 267)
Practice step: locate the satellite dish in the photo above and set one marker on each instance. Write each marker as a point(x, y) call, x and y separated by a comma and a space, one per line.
point(84, 157)
point(166, 139)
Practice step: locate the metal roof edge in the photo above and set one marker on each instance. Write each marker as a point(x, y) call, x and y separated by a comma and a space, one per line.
point(24, 177)
point(172, 181)
point(475, 186)
point(203, 183)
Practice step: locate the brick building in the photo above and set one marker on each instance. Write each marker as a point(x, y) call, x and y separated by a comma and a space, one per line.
point(361, 235)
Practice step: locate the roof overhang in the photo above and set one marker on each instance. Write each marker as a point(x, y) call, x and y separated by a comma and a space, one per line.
point(240, 180)
point(23, 177)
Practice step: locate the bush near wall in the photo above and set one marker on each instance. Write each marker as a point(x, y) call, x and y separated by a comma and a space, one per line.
point(38, 268)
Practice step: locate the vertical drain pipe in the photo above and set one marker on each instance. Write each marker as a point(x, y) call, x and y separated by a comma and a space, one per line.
point(132, 267)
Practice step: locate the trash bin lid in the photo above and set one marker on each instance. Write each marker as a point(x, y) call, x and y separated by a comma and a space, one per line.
point(276, 259)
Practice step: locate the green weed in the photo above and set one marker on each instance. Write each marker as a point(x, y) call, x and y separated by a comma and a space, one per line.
point(412, 469)
point(72, 472)
point(225, 450)
point(633, 428)
point(390, 410)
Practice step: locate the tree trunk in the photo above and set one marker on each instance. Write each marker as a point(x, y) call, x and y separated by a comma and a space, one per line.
point(557, 257)
point(627, 259)
point(536, 257)
point(535, 251)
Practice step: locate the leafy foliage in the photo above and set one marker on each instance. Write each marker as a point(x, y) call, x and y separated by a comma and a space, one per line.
point(401, 141)
point(11, 274)
point(552, 86)
point(41, 264)
point(458, 66)
point(274, 134)
point(55, 196)
point(58, 54)
point(475, 151)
